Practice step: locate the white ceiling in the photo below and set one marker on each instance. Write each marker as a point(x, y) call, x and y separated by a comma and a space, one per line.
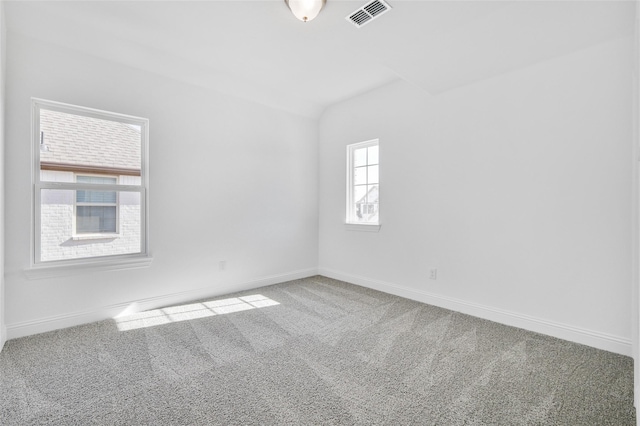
point(259, 51)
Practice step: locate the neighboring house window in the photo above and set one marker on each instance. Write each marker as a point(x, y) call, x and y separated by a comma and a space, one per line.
point(363, 186)
point(96, 211)
point(90, 185)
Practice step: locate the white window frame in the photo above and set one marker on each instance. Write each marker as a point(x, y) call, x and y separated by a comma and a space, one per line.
point(95, 235)
point(39, 268)
point(350, 223)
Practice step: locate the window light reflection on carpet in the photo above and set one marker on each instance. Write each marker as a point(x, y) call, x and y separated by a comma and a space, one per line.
point(155, 317)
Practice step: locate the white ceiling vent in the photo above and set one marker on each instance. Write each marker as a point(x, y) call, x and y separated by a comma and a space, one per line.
point(368, 13)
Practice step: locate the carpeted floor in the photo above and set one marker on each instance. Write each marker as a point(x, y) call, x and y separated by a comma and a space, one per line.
point(306, 352)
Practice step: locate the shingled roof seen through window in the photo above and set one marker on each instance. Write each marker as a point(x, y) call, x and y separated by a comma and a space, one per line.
point(87, 141)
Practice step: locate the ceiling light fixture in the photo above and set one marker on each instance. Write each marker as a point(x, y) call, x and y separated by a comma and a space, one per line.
point(305, 10)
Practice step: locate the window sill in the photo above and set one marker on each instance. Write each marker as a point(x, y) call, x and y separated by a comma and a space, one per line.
point(42, 271)
point(366, 227)
point(95, 237)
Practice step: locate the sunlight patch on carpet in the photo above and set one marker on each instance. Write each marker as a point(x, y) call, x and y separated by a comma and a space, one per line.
point(155, 317)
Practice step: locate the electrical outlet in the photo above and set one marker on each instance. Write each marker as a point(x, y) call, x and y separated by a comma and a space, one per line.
point(222, 265)
point(433, 274)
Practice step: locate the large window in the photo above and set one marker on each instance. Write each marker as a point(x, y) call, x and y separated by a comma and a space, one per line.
point(90, 185)
point(363, 183)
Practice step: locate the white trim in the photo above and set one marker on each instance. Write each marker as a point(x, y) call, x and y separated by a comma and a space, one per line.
point(71, 267)
point(72, 186)
point(89, 112)
point(38, 185)
point(56, 322)
point(105, 236)
point(3, 336)
point(580, 335)
point(3, 91)
point(367, 227)
point(35, 178)
point(635, 214)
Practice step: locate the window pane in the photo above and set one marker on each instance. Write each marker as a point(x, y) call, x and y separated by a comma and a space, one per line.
point(372, 174)
point(359, 198)
point(363, 169)
point(360, 176)
point(359, 193)
point(95, 219)
point(60, 240)
point(373, 155)
point(96, 197)
point(369, 206)
point(372, 194)
point(72, 143)
point(360, 157)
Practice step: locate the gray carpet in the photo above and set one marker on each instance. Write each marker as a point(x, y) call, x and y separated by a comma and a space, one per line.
point(311, 351)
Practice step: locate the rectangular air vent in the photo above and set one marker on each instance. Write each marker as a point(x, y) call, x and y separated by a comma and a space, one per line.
point(368, 12)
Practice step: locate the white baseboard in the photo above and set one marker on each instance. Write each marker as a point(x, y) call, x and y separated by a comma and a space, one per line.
point(42, 325)
point(607, 342)
point(595, 339)
point(636, 403)
point(3, 336)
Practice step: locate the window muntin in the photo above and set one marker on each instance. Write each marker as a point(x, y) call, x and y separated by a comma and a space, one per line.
point(363, 185)
point(90, 185)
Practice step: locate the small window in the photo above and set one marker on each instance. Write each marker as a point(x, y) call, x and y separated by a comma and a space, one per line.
point(90, 185)
point(363, 183)
point(96, 211)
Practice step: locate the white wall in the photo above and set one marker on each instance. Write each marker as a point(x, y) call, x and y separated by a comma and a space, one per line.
point(635, 228)
point(3, 330)
point(230, 181)
point(517, 188)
